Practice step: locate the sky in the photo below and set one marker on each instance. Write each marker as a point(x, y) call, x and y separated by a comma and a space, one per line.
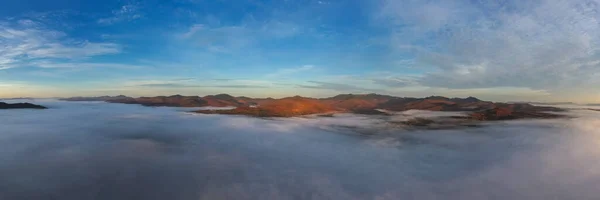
point(500, 50)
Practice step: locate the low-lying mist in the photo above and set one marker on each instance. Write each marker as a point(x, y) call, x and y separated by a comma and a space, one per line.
point(86, 150)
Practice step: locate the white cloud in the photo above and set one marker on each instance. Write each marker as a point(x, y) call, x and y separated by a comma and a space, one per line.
point(84, 65)
point(33, 43)
point(86, 49)
point(340, 87)
point(178, 84)
point(27, 23)
point(547, 44)
point(218, 38)
point(192, 30)
point(394, 82)
point(128, 12)
point(157, 82)
point(9, 85)
point(221, 39)
point(422, 16)
point(281, 73)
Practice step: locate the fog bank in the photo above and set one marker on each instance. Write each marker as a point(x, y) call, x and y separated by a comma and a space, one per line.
point(94, 150)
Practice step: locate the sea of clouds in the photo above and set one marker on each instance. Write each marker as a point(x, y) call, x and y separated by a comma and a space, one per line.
point(94, 150)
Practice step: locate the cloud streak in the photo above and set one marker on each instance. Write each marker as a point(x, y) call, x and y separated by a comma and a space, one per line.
point(338, 87)
point(395, 82)
point(282, 73)
point(195, 83)
point(177, 85)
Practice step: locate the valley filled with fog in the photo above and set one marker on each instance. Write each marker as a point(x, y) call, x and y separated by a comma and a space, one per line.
point(96, 150)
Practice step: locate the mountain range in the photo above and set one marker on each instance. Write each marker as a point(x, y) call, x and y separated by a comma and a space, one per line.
point(343, 103)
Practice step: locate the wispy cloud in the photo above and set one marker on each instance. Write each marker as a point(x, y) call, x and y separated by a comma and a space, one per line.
point(395, 82)
point(192, 30)
point(218, 38)
point(223, 79)
point(183, 79)
point(157, 82)
point(26, 43)
point(128, 12)
point(85, 65)
point(282, 73)
point(196, 83)
point(85, 49)
point(239, 86)
point(338, 87)
point(178, 85)
point(166, 85)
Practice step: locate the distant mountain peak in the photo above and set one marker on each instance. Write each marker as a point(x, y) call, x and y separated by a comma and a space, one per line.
point(437, 97)
point(224, 96)
point(472, 99)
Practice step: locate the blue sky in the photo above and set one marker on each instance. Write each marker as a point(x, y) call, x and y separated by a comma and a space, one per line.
point(540, 50)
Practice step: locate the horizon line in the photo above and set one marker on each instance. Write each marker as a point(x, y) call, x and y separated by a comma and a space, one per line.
point(239, 96)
